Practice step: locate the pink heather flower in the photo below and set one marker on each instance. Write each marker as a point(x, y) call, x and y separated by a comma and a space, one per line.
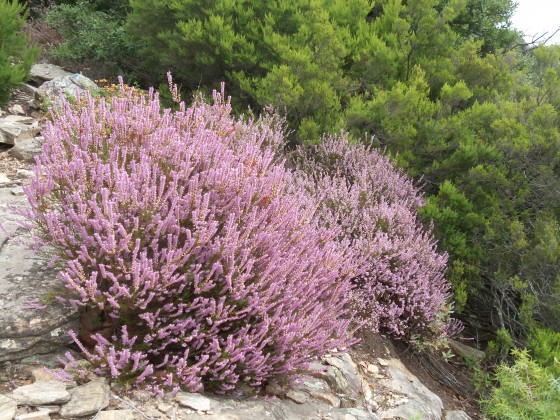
point(187, 236)
point(401, 288)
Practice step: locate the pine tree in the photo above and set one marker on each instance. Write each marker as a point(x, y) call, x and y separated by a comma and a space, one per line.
point(16, 56)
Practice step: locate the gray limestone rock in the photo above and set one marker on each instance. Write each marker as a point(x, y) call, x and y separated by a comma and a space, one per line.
point(34, 415)
point(297, 396)
point(43, 72)
point(27, 149)
point(67, 86)
point(195, 401)
point(8, 408)
point(345, 379)
point(457, 415)
point(15, 127)
point(117, 415)
point(318, 389)
point(419, 402)
point(352, 414)
point(41, 393)
point(465, 351)
point(87, 399)
point(26, 328)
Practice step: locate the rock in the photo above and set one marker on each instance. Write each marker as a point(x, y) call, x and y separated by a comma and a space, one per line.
point(117, 415)
point(27, 149)
point(399, 365)
point(420, 401)
point(67, 86)
point(25, 173)
point(275, 389)
point(43, 72)
point(297, 396)
point(35, 415)
point(40, 374)
point(41, 393)
point(352, 414)
point(163, 407)
point(195, 401)
point(17, 119)
point(18, 191)
point(373, 369)
point(48, 408)
point(8, 408)
point(87, 399)
point(318, 389)
point(456, 415)
point(16, 110)
point(465, 351)
point(27, 327)
point(14, 127)
point(345, 379)
point(4, 179)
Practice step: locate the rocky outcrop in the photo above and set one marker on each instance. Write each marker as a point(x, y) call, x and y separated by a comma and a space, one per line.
point(27, 326)
point(68, 86)
point(313, 396)
point(43, 72)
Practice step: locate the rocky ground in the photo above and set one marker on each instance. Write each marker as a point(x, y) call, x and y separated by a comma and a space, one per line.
point(373, 380)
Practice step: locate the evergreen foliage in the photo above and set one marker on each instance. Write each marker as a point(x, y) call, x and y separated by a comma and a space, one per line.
point(92, 30)
point(526, 391)
point(16, 55)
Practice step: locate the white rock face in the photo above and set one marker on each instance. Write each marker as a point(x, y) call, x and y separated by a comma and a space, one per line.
point(117, 415)
point(67, 86)
point(87, 399)
point(27, 149)
point(418, 401)
point(35, 415)
point(457, 415)
point(8, 408)
point(195, 401)
point(41, 393)
point(43, 72)
point(26, 278)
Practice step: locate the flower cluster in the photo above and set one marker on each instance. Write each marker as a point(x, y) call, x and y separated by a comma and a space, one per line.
point(401, 288)
point(187, 241)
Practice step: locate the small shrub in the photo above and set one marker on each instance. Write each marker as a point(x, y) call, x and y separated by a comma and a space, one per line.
point(91, 37)
point(526, 391)
point(16, 56)
point(401, 289)
point(186, 247)
point(544, 345)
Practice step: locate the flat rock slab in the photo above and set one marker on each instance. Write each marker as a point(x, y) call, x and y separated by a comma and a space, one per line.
point(68, 86)
point(25, 278)
point(41, 393)
point(87, 399)
point(8, 408)
point(420, 401)
point(43, 72)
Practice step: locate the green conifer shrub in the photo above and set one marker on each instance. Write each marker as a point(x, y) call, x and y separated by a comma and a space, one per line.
point(16, 56)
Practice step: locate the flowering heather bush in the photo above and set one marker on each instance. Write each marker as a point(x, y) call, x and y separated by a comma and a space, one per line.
point(179, 233)
point(402, 289)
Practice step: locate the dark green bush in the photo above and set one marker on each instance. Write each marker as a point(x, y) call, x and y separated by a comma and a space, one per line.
point(92, 32)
